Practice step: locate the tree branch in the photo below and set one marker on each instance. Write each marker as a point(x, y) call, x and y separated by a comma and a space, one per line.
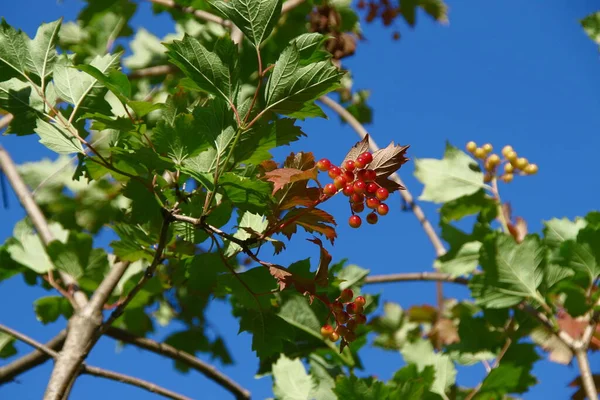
point(5, 121)
point(587, 378)
point(178, 355)
point(37, 357)
point(416, 276)
point(95, 371)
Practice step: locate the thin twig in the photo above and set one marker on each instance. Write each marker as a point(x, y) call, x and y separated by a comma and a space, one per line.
point(186, 358)
point(95, 370)
point(29, 361)
point(5, 121)
point(416, 276)
point(587, 378)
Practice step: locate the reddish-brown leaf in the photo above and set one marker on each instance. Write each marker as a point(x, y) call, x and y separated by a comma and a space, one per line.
point(302, 161)
point(284, 277)
point(389, 184)
point(322, 274)
point(283, 176)
point(357, 149)
point(312, 220)
point(389, 160)
point(574, 327)
point(299, 195)
point(444, 331)
point(268, 165)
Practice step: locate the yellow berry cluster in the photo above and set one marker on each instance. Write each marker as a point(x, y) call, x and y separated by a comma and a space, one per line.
point(492, 162)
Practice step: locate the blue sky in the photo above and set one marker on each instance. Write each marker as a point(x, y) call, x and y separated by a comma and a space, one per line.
point(505, 72)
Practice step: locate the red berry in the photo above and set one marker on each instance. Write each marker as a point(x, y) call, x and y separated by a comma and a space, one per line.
point(360, 175)
point(367, 156)
point(372, 218)
point(360, 319)
point(382, 209)
point(342, 317)
point(357, 197)
point(349, 165)
point(351, 308)
point(358, 207)
point(340, 181)
point(341, 330)
point(334, 337)
point(360, 301)
point(382, 193)
point(372, 202)
point(370, 175)
point(346, 295)
point(326, 330)
point(337, 306)
point(350, 336)
point(360, 162)
point(355, 221)
point(349, 176)
point(351, 325)
point(329, 189)
point(360, 187)
point(334, 171)
point(348, 190)
point(324, 164)
point(372, 188)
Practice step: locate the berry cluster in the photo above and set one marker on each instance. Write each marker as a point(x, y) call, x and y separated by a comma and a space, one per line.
point(346, 320)
point(356, 181)
point(512, 162)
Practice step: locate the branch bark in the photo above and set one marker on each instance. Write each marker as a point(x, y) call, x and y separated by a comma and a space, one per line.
point(188, 359)
point(587, 378)
point(416, 276)
point(95, 371)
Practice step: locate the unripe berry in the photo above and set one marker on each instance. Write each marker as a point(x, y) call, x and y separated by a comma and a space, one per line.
point(348, 190)
point(507, 178)
point(358, 207)
point(351, 324)
point(350, 336)
point(511, 156)
point(341, 330)
point(531, 169)
point(367, 156)
point(493, 160)
point(334, 172)
point(360, 301)
point(372, 218)
point(360, 319)
point(326, 330)
point(340, 181)
point(522, 163)
point(487, 178)
point(354, 221)
point(383, 209)
point(382, 194)
point(334, 337)
point(349, 165)
point(480, 153)
point(370, 175)
point(329, 189)
point(324, 165)
point(342, 317)
point(372, 203)
point(508, 168)
point(372, 187)
point(471, 146)
point(506, 150)
point(346, 295)
point(360, 187)
point(357, 197)
point(487, 148)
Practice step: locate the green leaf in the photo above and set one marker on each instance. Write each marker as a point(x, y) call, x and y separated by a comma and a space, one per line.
point(292, 86)
point(214, 72)
point(7, 345)
point(115, 81)
point(557, 231)
point(181, 140)
point(42, 49)
point(421, 354)
point(24, 102)
point(57, 138)
point(393, 327)
point(255, 18)
point(591, 26)
point(48, 309)
point(583, 256)
point(291, 382)
point(248, 221)
point(461, 262)
point(14, 54)
point(454, 176)
point(353, 388)
point(144, 206)
point(246, 194)
point(71, 257)
point(461, 207)
point(512, 272)
point(513, 375)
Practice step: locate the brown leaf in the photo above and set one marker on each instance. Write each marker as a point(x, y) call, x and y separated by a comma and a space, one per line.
point(558, 352)
point(284, 277)
point(580, 393)
point(357, 149)
point(574, 327)
point(322, 274)
point(444, 331)
point(389, 160)
point(312, 220)
point(268, 165)
point(302, 161)
point(299, 195)
point(389, 184)
point(518, 230)
point(283, 176)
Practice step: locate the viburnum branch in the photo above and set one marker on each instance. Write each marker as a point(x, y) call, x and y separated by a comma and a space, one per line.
point(587, 377)
point(416, 276)
point(5, 121)
point(181, 356)
point(544, 320)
